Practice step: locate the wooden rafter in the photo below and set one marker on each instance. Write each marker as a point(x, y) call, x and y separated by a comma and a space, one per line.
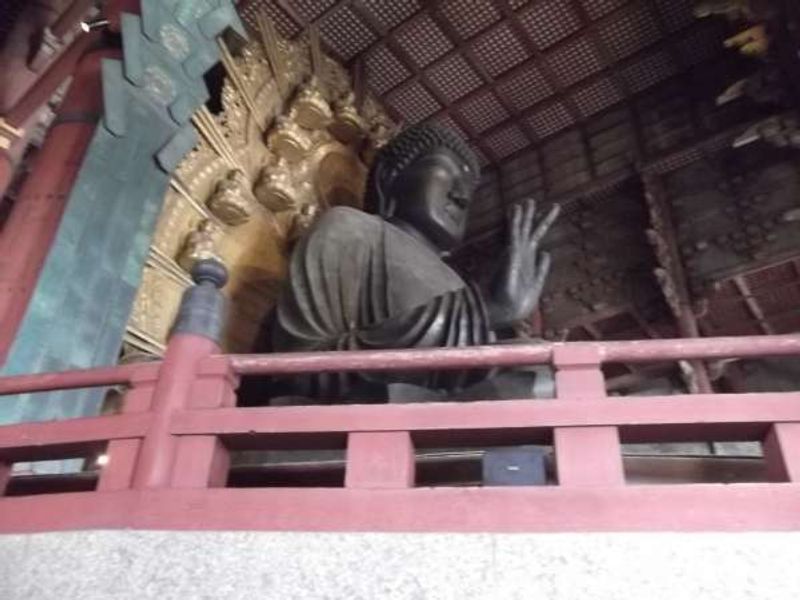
point(674, 274)
point(752, 304)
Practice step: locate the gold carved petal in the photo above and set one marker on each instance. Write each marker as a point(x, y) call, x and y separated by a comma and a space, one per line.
point(156, 303)
point(178, 218)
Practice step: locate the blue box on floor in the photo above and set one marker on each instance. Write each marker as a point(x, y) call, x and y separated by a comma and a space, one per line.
point(520, 465)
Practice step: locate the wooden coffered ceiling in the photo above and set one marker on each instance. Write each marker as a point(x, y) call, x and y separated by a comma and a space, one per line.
point(554, 95)
point(508, 74)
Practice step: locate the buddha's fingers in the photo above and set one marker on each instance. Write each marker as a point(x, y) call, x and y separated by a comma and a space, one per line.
point(529, 212)
point(542, 270)
point(544, 226)
point(515, 219)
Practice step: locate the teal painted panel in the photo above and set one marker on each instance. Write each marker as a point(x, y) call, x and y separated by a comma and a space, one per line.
point(114, 98)
point(84, 295)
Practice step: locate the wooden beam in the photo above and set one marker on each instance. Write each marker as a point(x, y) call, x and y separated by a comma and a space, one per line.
point(658, 165)
point(659, 419)
point(752, 304)
point(709, 507)
point(663, 223)
point(64, 439)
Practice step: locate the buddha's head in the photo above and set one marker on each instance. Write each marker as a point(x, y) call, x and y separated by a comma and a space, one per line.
point(425, 177)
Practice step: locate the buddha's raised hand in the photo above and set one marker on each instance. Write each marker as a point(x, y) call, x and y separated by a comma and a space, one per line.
point(518, 285)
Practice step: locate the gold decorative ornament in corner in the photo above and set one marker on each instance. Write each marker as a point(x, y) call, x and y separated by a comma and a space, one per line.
point(380, 133)
point(275, 189)
point(288, 140)
point(310, 108)
point(200, 244)
point(348, 125)
point(232, 201)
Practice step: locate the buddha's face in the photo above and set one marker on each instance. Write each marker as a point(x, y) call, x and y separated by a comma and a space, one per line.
point(433, 195)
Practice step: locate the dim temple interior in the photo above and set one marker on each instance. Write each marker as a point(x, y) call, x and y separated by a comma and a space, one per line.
point(669, 142)
point(643, 157)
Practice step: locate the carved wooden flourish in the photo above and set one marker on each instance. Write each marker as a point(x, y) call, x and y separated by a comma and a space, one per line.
point(256, 181)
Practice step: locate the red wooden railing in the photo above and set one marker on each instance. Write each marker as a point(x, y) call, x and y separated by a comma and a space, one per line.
point(168, 449)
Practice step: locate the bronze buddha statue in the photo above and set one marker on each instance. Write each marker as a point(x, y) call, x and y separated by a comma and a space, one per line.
point(368, 281)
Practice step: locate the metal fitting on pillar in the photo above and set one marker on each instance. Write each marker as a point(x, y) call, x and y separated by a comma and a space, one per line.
point(87, 26)
point(203, 306)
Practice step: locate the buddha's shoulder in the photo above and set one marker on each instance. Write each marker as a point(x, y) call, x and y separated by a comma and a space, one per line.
point(343, 219)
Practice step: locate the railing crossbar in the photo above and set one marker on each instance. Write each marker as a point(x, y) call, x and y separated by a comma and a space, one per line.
point(508, 355)
point(72, 380)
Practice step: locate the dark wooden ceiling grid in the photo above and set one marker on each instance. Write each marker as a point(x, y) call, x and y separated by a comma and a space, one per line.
point(581, 65)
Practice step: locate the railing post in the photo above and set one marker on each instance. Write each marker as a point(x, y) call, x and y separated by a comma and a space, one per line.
point(782, 452)
point(5, 476)
point(202, 460)
point(194, 336)
point(380, 459)
point(117, 474)
point(584, 455)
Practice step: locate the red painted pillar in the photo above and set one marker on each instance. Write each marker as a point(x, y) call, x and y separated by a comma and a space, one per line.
point(117, 474)
point(380, 460)
point(22, 113)
point(63, 67)
point(171, 393)
point(26, 238)
point(58, 72)
point(584, 455)
point(782, 452)
point(50, 39)
point(195, 334)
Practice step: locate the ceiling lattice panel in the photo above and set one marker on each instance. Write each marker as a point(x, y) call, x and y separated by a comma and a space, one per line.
point(507, 73)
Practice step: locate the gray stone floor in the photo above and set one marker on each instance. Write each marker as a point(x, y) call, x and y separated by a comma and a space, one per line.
point(164, 565)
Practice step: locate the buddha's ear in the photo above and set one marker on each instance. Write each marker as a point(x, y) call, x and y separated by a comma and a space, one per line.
point(386, 204)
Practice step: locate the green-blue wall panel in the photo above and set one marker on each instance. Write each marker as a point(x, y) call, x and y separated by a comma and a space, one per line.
point(84, 295)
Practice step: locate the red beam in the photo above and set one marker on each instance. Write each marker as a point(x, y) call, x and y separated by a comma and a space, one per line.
point(71, 16)
point(701, 507)
point(56, 74)
point(36, 96)
point(70, 380)
point(444, 358)
point(717, 347)
point(54, 439)
point(505, 417)
point(386, 360)
point(505, 355)
point(27, 235)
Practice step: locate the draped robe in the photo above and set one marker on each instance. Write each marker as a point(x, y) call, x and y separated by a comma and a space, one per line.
point(356, 281)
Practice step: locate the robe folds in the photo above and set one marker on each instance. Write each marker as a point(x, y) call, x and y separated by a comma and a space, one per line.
point(356, 281)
